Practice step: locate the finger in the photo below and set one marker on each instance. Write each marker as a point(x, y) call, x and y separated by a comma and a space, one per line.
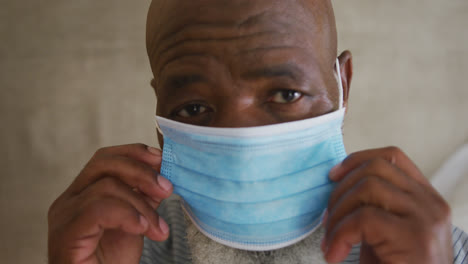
point(392, 154)
point(109, 213)
point(371, 191)
point(141, 152)
point(114, 189)
point(374, 168)
point(133, 173)
point(371, 225)
point(154, 204)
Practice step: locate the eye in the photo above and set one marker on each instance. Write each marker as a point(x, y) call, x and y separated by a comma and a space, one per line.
point(192, 110)
point(286, 96)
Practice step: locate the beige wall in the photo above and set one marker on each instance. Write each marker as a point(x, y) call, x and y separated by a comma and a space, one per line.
point(74, 77)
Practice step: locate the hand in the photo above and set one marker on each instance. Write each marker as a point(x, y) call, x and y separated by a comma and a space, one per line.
point(103, 215)
point(383, 201)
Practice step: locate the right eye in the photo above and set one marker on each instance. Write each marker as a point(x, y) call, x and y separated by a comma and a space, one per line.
point(286, 96)
point(192, 110)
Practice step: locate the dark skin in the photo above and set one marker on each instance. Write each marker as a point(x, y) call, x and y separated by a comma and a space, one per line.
point(240, 64)
point(248, 67)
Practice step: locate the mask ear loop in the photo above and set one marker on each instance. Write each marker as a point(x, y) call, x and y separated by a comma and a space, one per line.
point(158, 128)
point(340, 86)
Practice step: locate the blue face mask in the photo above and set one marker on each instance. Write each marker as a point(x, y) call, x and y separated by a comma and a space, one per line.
point(257, 188)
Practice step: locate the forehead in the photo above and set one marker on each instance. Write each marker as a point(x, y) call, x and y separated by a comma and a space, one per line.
point(243, 32)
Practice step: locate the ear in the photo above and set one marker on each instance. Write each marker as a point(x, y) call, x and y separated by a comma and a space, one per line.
point(346, 66)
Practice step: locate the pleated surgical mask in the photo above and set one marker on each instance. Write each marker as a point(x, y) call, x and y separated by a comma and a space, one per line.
point(256, 188)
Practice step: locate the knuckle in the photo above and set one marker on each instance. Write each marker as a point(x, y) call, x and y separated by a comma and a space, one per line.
point(57, 208)
point(101, 151)
point(394, 153)
point(92, 165)
point(97, 206)
point(376, 165)
point(362, 185)
point(444, 213)
point(99, 164)
point(52, 209)
point(393, 150)
point(104, 188)
point(108, 184)
point(368, 184)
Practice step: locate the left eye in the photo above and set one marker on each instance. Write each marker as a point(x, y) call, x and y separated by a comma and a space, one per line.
point(192, 110)
point(286, 96)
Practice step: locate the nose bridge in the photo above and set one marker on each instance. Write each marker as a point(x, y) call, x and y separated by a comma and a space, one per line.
point(238, 111)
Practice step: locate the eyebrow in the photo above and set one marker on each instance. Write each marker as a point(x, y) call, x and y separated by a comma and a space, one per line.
point(283, 70)
point(182, 80)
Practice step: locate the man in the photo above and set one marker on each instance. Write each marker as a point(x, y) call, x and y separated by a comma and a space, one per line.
point(248, 63)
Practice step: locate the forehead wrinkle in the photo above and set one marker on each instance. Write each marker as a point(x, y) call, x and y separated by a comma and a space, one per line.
point(252, 19)
point(187, 24)
point(225, 31)
point(192, 35)
point(173, 54)
point(265, 49)
point(193, 26)
point(159, 16)
point(304, 16)
point(188, 46)
point(186, 41)
point(226, 19)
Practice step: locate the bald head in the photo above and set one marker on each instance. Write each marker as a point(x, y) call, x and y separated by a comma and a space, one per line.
point(312, 19)
point(227, 60)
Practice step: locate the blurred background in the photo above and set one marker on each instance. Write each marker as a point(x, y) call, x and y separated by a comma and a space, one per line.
point(74, 77)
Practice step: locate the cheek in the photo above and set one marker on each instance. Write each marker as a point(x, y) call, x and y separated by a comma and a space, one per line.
point(324, 104)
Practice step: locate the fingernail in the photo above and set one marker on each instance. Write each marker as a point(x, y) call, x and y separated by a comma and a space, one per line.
point(334, 172)
point(154, 151)
point(144, 222)
point(164, 183)
point(163, 226)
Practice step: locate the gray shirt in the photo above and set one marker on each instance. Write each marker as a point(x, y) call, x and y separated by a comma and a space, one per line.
point(177, 249)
